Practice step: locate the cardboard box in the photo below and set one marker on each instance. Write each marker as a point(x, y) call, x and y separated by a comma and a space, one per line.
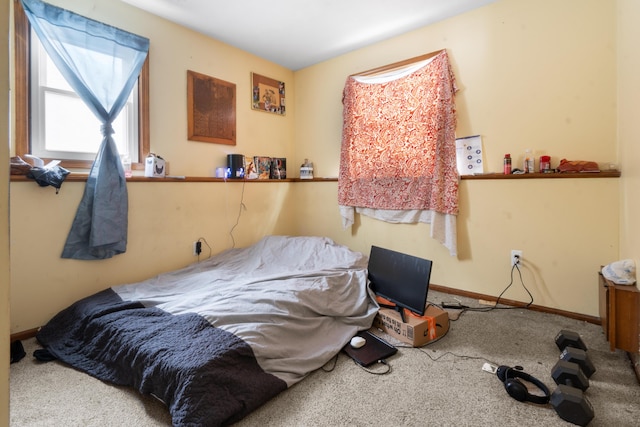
point(154, 166)
point(417, 331)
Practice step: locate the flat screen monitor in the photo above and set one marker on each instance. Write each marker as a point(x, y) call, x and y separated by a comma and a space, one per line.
point(400, 278)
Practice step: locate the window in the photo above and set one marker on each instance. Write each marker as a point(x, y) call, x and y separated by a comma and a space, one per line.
point(44, 101)
point(398, 140)
point(398, 154)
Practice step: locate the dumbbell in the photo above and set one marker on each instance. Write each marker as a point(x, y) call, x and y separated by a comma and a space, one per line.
point(568, 398)
point(569, 374)
point(567, 338)
point(579, 357)
point(574, 350)
point(571, 405)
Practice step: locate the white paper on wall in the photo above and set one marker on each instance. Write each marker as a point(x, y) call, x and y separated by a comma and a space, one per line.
point(469, 155)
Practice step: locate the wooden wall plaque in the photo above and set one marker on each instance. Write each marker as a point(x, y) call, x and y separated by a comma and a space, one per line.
point(211, 109)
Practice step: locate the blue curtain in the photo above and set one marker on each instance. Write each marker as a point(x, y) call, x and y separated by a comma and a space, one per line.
point(101, 63)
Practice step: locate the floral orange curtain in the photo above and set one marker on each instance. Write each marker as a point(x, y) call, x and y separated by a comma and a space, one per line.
point(398, 142)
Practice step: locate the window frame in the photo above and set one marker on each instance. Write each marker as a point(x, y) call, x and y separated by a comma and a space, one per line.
point(22, 34)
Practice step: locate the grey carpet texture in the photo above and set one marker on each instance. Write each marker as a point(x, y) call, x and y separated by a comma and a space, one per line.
point(441, 383)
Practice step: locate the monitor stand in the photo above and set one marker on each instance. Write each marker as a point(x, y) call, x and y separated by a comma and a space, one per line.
point(397, 308)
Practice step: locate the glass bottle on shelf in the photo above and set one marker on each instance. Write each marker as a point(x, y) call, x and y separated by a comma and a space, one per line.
point(528, 166)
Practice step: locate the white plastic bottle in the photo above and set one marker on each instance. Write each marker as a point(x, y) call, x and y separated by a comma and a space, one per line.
point(306, 170)
point(528, 165)
point(126, 165)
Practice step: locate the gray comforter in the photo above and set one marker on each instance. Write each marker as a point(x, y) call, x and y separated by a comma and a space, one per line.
point(217, 339)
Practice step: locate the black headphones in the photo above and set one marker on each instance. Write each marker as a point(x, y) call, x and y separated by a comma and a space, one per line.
point(509, 376)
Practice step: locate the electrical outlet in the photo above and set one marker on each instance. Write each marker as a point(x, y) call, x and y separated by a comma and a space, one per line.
point(197, 248)
point(516, 257)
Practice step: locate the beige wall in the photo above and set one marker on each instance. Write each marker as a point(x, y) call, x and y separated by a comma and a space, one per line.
point(173, 51)
point(629, 125)
point(164, 221)
point(4, 214)
point(531, 74)
point(164, 218)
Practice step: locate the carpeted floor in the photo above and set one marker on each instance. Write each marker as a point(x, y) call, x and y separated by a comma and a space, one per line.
point(441, 383)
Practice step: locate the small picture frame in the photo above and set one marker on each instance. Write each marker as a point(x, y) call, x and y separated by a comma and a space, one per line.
point(267, 95)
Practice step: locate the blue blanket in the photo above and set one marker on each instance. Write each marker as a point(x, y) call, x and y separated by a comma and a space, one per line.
point(181, 359)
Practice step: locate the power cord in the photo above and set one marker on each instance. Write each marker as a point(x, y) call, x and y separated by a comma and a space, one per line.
point(334, 359)
point(437, 359)
point(460, 356)
point(371, 371)
point(199, 247)
point(464, 308)
point(334, 362)
point(515, 266)
point(241, 207)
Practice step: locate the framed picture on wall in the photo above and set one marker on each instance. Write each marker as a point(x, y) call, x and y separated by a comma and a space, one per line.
point(211, 109)
point(267, 94)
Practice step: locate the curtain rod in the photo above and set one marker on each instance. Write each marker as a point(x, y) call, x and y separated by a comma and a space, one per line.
point(396, 65)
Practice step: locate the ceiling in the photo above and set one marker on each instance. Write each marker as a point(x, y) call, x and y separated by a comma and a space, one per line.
point(298, 33)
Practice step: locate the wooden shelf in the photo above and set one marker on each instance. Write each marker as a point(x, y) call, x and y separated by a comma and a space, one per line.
point(81, 177)
point(537, 175)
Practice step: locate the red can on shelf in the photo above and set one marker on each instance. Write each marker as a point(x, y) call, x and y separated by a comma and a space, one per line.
point(545, 164)
point(507, 164)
